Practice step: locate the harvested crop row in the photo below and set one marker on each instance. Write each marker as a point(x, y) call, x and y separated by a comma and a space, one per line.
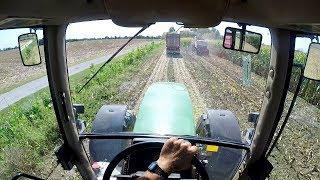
point(183, 76)
point(134, 86)
point(158, 74)
point(224, 91)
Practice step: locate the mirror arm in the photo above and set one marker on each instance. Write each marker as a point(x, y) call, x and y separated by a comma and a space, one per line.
point(33, 29)
point(243, 30)
point(179, 28)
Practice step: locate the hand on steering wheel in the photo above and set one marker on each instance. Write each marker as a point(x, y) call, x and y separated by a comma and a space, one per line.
point(176, 155)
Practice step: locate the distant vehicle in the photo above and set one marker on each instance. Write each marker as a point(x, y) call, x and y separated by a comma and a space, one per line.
point(173, 43)
point(228, 40)
point(201, 47)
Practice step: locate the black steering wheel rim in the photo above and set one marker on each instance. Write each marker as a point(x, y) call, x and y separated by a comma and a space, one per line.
point(148, 145)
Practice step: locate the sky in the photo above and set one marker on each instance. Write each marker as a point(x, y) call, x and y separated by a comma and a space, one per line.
point(103, 28)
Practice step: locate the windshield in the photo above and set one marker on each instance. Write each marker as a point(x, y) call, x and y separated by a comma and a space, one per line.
point(170, 80)
point(189, 68)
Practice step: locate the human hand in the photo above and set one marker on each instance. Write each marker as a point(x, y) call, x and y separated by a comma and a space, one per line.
point(176, 155)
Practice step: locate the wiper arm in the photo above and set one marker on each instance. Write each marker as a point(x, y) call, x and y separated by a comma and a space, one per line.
point(113, 55)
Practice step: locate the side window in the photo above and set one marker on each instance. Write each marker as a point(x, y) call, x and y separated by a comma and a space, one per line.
point(296, 154)
point(28, 129)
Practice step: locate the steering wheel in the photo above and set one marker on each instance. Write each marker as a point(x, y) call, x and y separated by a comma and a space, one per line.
point(149, 145)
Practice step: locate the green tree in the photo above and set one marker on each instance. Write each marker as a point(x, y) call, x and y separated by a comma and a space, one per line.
point(186, 33)
point(253, 39)
point(216, 33)
point(171, 29)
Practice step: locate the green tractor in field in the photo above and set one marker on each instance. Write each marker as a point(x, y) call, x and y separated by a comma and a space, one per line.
point(166, 109)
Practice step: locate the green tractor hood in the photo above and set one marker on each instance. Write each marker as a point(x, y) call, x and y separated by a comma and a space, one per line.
point(165, 109)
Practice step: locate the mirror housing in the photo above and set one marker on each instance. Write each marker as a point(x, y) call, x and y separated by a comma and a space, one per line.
point(312, 68)
point(29, 49)
point(242, 40)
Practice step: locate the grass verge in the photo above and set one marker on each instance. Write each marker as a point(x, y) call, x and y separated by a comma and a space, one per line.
point(28, 129)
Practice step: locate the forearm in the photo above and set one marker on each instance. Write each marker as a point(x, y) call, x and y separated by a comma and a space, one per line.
point(150, 176)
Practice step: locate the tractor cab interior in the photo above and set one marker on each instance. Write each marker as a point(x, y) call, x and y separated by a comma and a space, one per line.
point(124, 76)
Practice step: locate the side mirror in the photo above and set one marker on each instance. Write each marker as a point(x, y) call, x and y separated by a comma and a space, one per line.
point(242, 40)
point(29, 49)
point(312, 68)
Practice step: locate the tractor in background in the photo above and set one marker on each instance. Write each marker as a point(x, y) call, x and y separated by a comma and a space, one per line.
point(200, 47)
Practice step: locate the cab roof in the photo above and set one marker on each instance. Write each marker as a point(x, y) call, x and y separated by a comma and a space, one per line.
point(296, 15)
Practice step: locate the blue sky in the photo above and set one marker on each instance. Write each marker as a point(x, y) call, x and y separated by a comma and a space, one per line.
point(102, 28)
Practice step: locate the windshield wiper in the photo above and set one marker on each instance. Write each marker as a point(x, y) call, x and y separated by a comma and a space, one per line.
point(113, 55)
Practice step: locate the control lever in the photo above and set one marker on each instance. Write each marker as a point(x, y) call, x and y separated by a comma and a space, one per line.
point(253, 118)
point(79, 109)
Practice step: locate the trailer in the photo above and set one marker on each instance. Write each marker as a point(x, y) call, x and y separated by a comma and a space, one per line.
point(173, 43)
point(201, 48)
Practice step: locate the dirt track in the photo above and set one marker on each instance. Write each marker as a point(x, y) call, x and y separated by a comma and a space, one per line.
point(163, 69)
point(27, 89)
point(183, 76)
point(13, 74)
point(221, 82)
